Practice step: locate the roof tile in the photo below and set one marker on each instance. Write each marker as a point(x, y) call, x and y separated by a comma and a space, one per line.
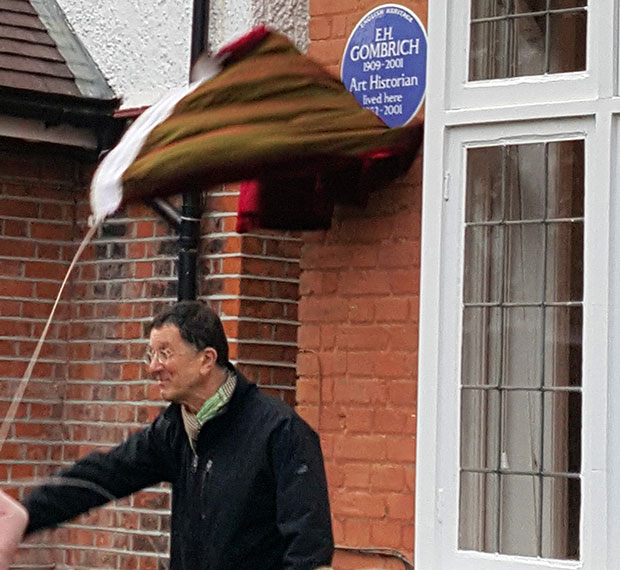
point(39, 52)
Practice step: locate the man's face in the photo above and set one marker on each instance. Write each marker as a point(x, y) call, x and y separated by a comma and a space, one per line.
point(175, 365)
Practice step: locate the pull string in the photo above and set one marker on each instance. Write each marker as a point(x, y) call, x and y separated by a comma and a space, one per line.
point(21, 388)
point(19, 393)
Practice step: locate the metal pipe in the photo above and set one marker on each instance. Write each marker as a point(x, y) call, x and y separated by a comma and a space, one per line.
point(166, 211)
point(189, 239)
point(191, 211)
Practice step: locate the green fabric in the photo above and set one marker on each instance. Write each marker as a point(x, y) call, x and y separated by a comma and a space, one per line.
point(270, 112)
point(212, 406)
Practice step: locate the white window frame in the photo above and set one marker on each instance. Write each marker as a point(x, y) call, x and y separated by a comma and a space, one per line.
point(462, 93)
point(517, 111)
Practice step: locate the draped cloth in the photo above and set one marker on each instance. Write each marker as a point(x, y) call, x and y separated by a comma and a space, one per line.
point(278, 122)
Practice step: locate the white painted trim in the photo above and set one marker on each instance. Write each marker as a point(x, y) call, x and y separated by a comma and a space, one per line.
point(613, 370)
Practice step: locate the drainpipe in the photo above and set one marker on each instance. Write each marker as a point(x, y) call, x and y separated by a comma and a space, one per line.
point(191, 210)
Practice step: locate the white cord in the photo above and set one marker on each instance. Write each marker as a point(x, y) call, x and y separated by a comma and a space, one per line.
point(17, 398)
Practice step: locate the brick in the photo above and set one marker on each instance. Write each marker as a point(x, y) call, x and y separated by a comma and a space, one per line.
point(307, 391)
point(392, 309)
point(322, 7)
point(356, 475)
point(320, 28)
point(364, 256)
point(405, 254)
point(363, 391)
point(50, 231)
point(390, 420)
point(403, 393)
point(401, 449)
point(356, 532)
point(13, 288)
point(369, 282)
point(18, 208)
point(17, 248)
point(14, 228)
point(385, 534)
point(396, 364)
point(339, 26)
point(388, 477)
point(311, 283)
point(400, 506)
point(358, 419)
point(362, 310)
point(408, 540)
point(404, 281)
point(358, 504)
point(322, 310)
point(318, 256)
point(308, 337)
point(362, 338)
point(332, 419)
point(362, 447)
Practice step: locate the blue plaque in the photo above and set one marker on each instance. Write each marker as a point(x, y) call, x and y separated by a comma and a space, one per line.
point(384, 63)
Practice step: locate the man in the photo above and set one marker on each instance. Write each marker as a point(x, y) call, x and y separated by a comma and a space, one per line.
point(247, 475)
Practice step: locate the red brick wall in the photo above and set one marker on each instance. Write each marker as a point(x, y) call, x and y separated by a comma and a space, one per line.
point(358, 334)
point(90, 389)
point(254, 280)
point(37, 209)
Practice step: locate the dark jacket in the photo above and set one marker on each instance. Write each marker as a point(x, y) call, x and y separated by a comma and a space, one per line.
point(253, 497)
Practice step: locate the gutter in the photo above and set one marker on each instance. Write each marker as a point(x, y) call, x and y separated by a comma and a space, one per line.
point(55, 110)
point(191, 210)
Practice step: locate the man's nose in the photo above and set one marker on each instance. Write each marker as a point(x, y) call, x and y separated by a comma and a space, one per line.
point(155, 365)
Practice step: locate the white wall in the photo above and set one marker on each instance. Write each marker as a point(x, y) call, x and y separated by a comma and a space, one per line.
point(143, 48)
point(232, 18)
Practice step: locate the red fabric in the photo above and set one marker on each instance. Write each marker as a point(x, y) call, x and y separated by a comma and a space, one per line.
point(305, 202)
point(237, 49)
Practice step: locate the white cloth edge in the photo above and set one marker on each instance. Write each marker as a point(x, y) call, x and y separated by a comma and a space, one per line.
point(106, 189)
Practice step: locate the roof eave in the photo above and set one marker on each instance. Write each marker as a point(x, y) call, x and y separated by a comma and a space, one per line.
point(55, 110)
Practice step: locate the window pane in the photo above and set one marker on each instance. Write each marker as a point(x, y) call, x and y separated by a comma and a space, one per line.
point(523, 346)
point(561, 514)
point(521, 435)
point(489, 8)
point(520, 447)
point(483, 257)
point(525, 253)
point(562, 4)
point(563, 352)
point(529, 6)
point(564, 262)
point(565, 171)
point(484, 184)
point(520, 504)
point(522, 38)
point(527, 49)
point(525, 175)
point(480, 414)
point(478, 507)
point(482, 346)
point(487, 57)
point(566, 52)
point(562, 442)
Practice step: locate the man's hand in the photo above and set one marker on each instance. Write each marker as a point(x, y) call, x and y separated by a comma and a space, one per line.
point(13, 522)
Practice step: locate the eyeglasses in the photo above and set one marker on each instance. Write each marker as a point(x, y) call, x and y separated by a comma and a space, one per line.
point(162, 355)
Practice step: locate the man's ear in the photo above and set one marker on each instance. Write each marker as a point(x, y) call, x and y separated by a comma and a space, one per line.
point(209, 360)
